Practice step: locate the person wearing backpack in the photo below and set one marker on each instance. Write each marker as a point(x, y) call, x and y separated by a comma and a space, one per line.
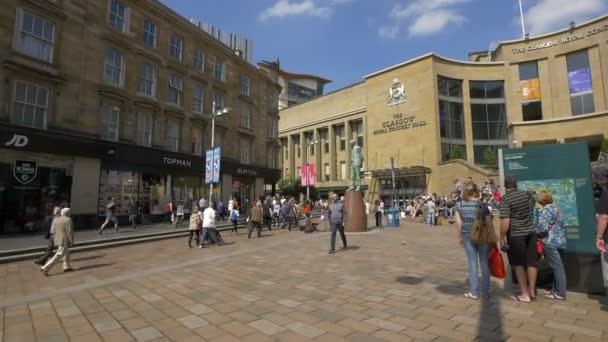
point(550, 228)
point(337, 214)
point(234, 218)
point(267, 214)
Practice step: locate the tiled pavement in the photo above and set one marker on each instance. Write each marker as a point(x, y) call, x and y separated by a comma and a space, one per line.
point(282, 287)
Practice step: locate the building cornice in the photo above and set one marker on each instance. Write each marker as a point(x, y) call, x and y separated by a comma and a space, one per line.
point(558, 120)
point(325, 119)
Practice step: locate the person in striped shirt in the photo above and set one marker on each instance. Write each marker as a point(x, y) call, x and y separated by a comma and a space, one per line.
point(518, 238)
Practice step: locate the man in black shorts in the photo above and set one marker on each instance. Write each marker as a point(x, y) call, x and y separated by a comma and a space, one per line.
point(518, 237)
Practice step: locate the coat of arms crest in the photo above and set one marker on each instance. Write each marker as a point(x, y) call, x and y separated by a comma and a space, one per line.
point(396, 93)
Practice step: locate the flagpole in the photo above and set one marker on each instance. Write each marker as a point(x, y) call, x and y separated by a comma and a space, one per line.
point(521, 15)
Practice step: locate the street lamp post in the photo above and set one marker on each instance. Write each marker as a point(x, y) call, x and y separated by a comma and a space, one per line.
point(215, 113)
point(309, 143)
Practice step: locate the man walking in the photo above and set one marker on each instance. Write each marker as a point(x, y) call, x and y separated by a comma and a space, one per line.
point(518, 238)
point(48, 252)
point(255, 219)
point(64, 239)
point(337, 213)
point(430, 206)
point(267, 213)
point(110, 216)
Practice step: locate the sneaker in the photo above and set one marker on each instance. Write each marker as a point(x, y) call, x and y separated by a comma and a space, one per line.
point(68, 269)
point(331, 251)
point(44, 273)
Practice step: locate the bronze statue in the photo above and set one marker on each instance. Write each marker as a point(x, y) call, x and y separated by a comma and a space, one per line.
point(356, 163)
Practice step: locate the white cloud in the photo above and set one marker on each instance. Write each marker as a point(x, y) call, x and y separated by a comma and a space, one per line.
point(389, 32)
point(423, 17)
point(548, 15)
point(312, 8)
point(434, 22)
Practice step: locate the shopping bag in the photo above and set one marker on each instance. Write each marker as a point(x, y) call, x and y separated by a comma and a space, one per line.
point(497, 264)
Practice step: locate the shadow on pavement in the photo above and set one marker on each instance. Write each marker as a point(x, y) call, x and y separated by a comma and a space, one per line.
point(351, 248)
point(489, 322)
point(88, 257)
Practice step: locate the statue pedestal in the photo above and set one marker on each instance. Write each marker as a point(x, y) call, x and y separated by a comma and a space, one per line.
point(356, 220)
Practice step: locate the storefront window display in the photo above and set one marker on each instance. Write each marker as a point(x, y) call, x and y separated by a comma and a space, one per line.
point(152, 191)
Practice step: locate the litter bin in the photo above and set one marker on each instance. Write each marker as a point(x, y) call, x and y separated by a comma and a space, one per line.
point(393, 217)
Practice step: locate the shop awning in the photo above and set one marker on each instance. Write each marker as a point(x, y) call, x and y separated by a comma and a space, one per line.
point(402, 172)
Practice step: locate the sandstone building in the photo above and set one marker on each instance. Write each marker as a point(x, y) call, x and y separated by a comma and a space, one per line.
point(436, 117)
point(112, 98)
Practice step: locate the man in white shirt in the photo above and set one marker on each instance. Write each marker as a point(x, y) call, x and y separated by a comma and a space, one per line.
point(430, 206)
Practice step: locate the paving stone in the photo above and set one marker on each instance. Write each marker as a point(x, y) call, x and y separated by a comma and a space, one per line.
point(250, 298)
point(384, 324)
point(237, 329)
point(192, 322)
point(305, 329)
point(327, 315)
point(106, 326)
point(375, 299)
point(151, 297)
point(266, 327)
point(306, 287)
point(146, 334)
point(289, 303)
point(68, 311)
point(360, 337)
point(198, 309)
point(574, 329)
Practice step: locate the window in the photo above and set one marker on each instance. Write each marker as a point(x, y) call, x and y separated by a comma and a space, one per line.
point(451, 119)
point(245, 85)
point(220, 70)
point(176, 47)
point(174, 96)
point(149, 34)
point(245, 149)
point(35, 36)
point(358, 128)
point(310, 145)
point(119, 16)
point(198, 98)
point(489, 118)
point(245, 115)
point(147, 80)
point(145, 123)
point(272, 99)
point(114, 67)
point(218, 100)
point(342, 170)
point(30, 105)
point(199, 59)
point(197, 141)
point(110, 120)
point(272, 127)
point(324, 140)
point(272, 157)
point(342, 137)
point(529, 85)
point(579, 79)
point(172, 136)
point(327, 172)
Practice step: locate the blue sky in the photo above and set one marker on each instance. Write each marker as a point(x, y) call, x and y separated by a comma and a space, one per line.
point(345, 39)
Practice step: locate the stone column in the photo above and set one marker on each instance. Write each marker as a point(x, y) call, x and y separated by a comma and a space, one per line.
point(332, 152)
point(290, 156)
point(317, 160)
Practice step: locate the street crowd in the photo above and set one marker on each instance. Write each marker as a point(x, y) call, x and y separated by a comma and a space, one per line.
point(531, 228)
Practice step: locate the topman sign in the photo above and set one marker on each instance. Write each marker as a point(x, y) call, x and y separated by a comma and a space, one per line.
point(564, 40)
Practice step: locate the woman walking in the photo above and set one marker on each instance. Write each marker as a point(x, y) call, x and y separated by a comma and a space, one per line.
point(477, 252)
point(378, 213)
point(195, 227)
point(550, 228)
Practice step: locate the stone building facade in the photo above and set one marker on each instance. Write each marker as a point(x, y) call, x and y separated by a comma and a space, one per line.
point(439, 119)
point(113, 98)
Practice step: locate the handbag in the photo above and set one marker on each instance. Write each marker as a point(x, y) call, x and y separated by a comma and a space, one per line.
point(540, 245)
point(497, 264)
point(482, 233)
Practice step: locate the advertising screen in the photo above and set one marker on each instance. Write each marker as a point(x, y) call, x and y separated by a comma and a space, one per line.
point(580, 80)
point(530, 89)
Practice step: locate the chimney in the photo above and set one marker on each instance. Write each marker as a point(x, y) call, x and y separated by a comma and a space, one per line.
point(238, 52)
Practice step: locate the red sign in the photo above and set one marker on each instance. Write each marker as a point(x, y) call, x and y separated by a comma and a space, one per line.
point(309, 175)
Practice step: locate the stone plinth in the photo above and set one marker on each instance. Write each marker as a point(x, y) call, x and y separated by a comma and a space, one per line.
point(356, 220)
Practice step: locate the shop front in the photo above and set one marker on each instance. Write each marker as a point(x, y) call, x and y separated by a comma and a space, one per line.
point(150, 178)
point(246, 181)
point(40, 170)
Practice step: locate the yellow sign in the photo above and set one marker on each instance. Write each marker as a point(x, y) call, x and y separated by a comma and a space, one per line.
point(530, 89)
